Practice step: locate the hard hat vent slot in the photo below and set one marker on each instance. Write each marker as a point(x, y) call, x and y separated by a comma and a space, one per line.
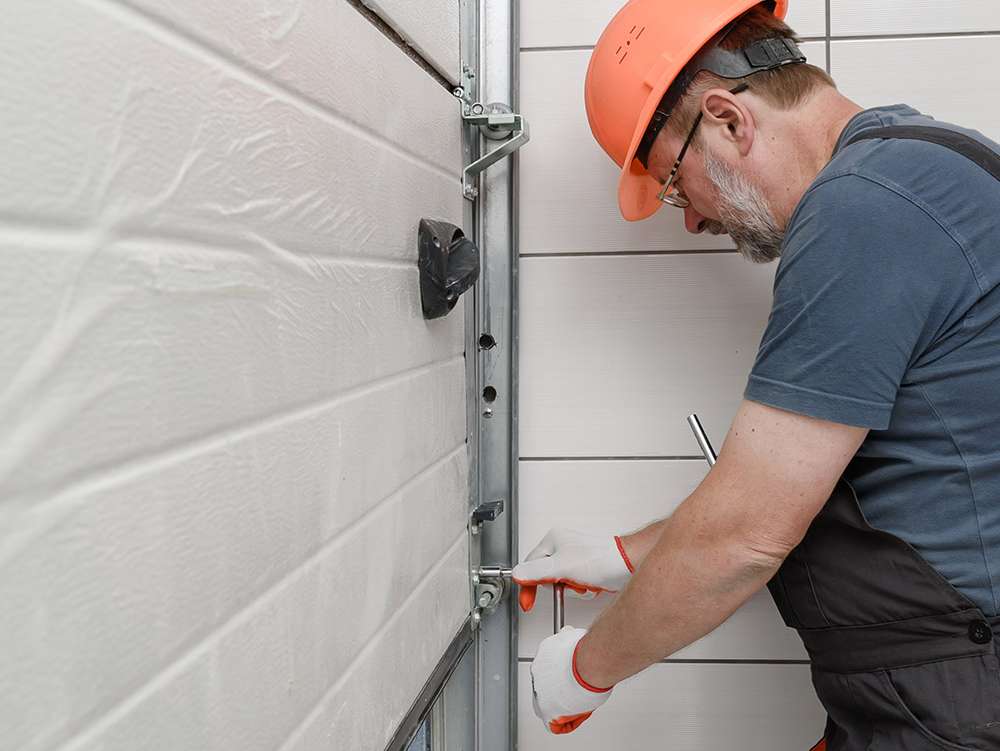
point(623, 49)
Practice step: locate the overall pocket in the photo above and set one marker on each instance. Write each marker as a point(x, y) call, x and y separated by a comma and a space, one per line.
point(954, 704)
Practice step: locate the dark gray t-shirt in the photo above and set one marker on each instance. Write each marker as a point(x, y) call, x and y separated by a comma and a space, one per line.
point(886, 315)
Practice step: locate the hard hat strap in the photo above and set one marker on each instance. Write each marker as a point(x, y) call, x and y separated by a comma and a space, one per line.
point(764, 54)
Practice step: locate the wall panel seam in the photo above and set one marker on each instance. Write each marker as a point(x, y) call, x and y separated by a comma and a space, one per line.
point(912, 36)
point(711, 661)
point(77, 485)
point(615, 253)
point(181, 41)
point(831, 38)
point(609, 458)
point(371, 645)
point(193, 652)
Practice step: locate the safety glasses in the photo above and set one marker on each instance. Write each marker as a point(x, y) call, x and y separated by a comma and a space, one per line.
point(669, 194)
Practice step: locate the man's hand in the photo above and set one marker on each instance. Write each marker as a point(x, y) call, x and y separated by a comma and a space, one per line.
point(562, 699)
point(587, 564)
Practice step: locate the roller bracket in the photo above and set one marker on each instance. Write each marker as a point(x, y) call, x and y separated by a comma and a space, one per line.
point(496, 122)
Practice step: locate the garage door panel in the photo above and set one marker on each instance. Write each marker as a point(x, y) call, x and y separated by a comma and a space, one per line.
point(331, 55)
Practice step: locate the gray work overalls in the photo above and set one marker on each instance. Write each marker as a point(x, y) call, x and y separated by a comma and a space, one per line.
point(901, 659)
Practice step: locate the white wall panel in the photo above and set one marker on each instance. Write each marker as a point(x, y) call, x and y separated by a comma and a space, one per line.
point(331, 55)
point(947, 78)
point(105, 586)
point(551, 23)
point(616, 351)
point(859, 17)
point(568, 200)
point(680, 707)
point(430, 26)
point(136, 346)
point(621, 496)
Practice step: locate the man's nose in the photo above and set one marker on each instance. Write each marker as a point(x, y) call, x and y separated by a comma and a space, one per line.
point(693, 221)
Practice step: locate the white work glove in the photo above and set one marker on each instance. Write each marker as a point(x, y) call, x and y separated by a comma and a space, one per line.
point(586, 563)
point(562, 699)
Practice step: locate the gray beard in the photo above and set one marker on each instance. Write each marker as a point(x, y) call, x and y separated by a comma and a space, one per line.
point(744, 213)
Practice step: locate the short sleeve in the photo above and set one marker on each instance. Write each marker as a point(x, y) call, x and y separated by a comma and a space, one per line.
point(867, 281)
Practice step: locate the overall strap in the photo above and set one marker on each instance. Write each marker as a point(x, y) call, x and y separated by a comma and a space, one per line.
point(969, 147)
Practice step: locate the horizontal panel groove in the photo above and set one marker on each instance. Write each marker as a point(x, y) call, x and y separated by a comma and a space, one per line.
point(162, 30)
point(79, 737)
point(734, 661)
point(608, 458)
point(570, 47)
point(615, 254)
point(831, 38)
point(36, 229)
point(924, 35)
point(370, 645)
point(79, 484)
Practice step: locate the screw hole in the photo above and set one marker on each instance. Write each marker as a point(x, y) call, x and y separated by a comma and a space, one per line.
point(490, 394)
point(486, 341)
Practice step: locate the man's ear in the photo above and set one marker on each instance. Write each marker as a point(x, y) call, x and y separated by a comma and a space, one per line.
point(729, 119)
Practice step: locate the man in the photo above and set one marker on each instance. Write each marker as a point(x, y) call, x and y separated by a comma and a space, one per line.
point(860, 479)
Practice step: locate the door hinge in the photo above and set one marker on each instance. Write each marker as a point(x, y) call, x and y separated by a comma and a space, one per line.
point(496, 122)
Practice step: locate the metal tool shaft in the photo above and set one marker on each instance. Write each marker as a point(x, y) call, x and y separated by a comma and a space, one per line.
point(703, 443)
point(558, 607)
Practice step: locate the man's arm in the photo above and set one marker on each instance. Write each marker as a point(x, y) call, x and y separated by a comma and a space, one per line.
point(724, 542)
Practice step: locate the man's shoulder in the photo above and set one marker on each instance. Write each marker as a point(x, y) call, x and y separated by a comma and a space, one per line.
point(911, 167)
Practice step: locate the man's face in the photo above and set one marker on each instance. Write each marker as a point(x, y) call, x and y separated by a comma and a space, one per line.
point(722, 198)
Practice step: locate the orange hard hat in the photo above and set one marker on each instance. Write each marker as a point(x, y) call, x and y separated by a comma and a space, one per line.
point(637, 58)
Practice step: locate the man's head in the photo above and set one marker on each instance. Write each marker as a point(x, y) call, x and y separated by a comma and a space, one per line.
point(721, 174)
point(736, 147)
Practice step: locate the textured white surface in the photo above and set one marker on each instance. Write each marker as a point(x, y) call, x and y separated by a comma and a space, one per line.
point(948, 78)
point(857, 17)
point(327, 53)
point(616, 351)
point(552, 23)
point(233, 466)
point(621, 496)
point(569, 186)
point(430, 26)
point(677, 707)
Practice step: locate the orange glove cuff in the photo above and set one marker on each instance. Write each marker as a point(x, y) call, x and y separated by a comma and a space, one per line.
point(621, 549)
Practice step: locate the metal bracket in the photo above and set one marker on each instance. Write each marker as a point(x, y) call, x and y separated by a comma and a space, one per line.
point(490, 584)
point(485, 512)
point(495, 121)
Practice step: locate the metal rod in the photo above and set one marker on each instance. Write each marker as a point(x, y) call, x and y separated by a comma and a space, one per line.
point(703, 443)
point(558, 607)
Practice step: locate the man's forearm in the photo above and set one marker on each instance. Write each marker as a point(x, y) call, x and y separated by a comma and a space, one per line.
point(696, 571)
point(638, 544)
